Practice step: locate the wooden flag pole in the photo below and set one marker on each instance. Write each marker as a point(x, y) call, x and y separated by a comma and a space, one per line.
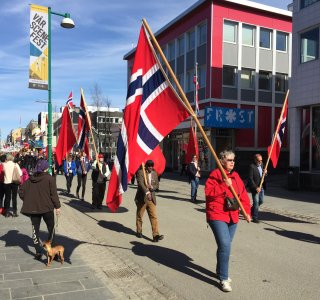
point(274, 139)
point(144, 174)
point(193, 115)
point(89, 120)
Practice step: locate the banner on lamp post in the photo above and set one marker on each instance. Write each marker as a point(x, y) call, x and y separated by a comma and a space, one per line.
point(38, 69)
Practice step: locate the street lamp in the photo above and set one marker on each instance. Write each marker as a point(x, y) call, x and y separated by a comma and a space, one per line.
point(67, 23)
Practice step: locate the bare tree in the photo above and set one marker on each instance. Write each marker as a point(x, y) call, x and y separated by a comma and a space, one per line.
point(99, 100)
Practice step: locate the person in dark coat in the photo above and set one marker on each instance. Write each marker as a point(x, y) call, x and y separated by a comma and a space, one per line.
point(255, 174)
point(146, 199)
point(83, 166)
point(99, 176)
point(40, 201)
point(194, 177)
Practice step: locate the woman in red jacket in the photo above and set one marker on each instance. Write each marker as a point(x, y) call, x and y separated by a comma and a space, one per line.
point(222, 221)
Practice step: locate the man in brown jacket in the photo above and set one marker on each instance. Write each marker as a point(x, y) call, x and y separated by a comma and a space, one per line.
point(40, 200)
point(146, 200)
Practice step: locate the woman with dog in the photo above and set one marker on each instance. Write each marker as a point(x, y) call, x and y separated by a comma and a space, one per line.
point(40, 200)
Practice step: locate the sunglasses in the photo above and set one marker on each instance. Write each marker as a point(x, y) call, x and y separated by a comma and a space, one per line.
point(230, 160)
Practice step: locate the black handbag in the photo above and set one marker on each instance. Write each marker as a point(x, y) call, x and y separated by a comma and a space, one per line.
point(231, 204)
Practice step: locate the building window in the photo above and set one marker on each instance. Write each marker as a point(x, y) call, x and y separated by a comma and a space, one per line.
point(181, 46)
point(230, 32)
point(282, 40)
point(202, 76)
point(265, 80)
point(281, 82)
point(229, 75)
point(248, 35)
point(191, 40)
point(247, 79)
point(265, 38)
point(202, 34)
point(305, 3)
point(190, 84)
point(101, 120)
point(171, 51)
point(309, 45)
point(181, 80)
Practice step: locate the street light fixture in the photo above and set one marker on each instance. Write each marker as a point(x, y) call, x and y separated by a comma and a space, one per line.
point(67, 23)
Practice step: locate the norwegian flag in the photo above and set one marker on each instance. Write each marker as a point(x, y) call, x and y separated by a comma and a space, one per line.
point(196, 89)
point(69, 102)
point(83, 127)
point(152, 110)
point(274, 150)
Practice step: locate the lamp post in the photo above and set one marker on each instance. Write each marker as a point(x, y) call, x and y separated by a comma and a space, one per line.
point(68, 24)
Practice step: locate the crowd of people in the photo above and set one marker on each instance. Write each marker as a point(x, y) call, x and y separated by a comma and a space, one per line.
point(27, 174)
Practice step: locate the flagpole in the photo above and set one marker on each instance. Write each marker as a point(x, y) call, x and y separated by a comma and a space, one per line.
point(193, 115)
point(274, 139)
point(196, 96)
point(144, 174)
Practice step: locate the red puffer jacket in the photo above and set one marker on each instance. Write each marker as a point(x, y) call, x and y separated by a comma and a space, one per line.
point(216, 190)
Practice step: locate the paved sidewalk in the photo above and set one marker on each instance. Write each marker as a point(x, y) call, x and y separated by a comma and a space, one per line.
point(96, 270)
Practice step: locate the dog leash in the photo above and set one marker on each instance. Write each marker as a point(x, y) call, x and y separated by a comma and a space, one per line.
point(56, 223)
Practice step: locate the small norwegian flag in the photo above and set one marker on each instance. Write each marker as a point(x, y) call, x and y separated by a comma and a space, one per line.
point(70, 103)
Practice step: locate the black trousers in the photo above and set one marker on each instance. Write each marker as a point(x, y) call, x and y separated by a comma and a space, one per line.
point(36, 221)
point(1, 193)
point(98, 191)
point(69, 182)
point(82, 180)
point(11, 191)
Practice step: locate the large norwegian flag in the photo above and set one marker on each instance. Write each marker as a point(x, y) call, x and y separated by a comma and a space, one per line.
point(83, 127)
point(67, 137)
point(152, 110)
point(274, 150)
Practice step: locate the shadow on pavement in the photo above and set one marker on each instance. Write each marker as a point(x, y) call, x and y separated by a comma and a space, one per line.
point(114, 226)
point(175, 260)
point(85, 207)
point(16, 239)
point(295, 235)
point(269, 216)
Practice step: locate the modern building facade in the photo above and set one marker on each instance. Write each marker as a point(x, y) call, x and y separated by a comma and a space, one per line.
point(242, 52)
point(304, 104)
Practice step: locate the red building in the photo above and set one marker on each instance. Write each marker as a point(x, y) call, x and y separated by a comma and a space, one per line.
point(242, 52)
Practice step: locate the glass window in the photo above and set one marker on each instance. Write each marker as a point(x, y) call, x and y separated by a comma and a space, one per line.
point(316, 138)
point(202, 76)
point(247, 79)
point(265, 38)
point(305, 3)
point(229, 32)
point(202, 34)
point(309, 45)
point(171, 51)
point(281, 82)
point(248, 35)
point(265, 80)
point(191, 40)
point(181, 80)
point(180, 45)
point(229, 75)
point(282, 39)
point(190, 84)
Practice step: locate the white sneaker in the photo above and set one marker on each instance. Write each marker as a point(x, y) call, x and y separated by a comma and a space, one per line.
point(225, 285)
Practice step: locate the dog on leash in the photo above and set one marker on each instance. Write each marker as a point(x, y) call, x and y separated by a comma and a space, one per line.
point(52, 252)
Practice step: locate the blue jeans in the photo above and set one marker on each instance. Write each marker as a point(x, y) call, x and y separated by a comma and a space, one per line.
point(194, 188)
point(223, 233)
point(257, 200)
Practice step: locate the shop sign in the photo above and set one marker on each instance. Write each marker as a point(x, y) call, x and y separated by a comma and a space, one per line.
point(222, 117)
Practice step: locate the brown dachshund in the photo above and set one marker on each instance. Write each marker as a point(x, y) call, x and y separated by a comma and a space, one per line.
point(53, 251)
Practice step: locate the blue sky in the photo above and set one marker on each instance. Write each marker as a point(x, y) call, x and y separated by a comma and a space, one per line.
point(91, 53)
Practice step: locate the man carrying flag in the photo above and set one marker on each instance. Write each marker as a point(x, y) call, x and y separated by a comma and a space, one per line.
point(150, 97)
